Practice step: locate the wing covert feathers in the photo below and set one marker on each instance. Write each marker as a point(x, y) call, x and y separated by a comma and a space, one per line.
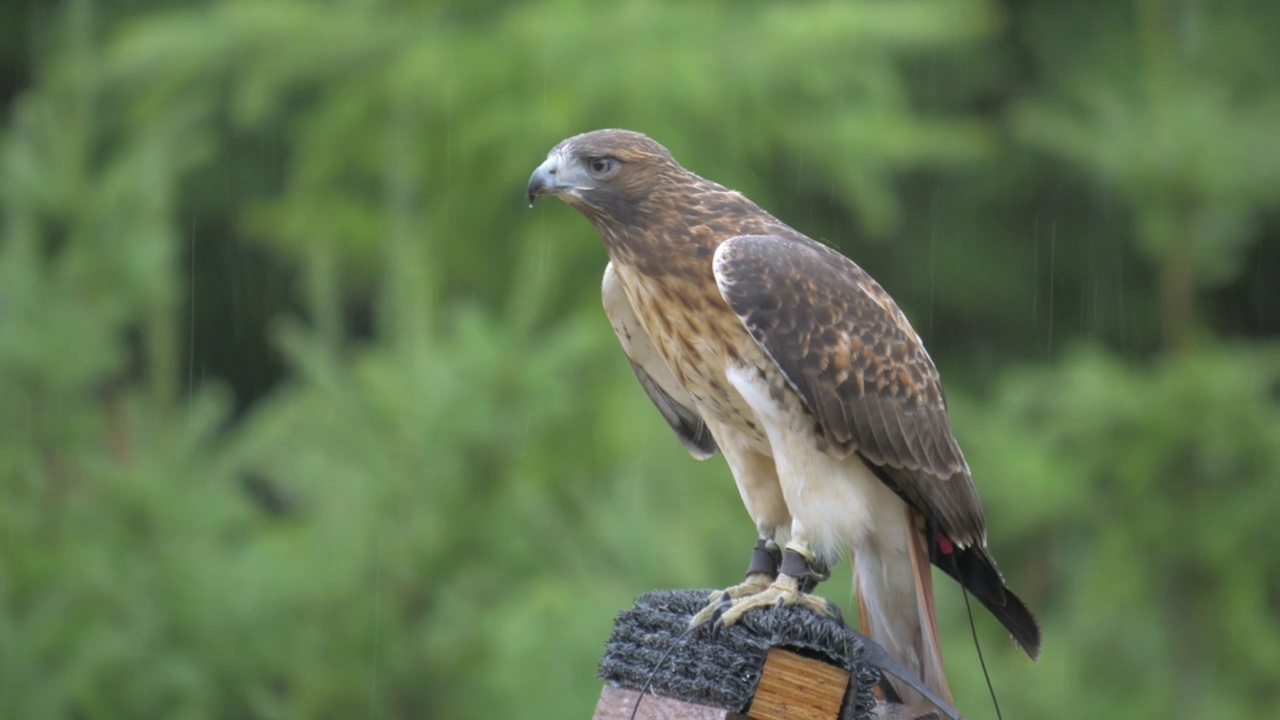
point(861, 370)
point(858, 366)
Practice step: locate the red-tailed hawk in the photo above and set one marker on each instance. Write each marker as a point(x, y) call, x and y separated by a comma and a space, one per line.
point(787, 357)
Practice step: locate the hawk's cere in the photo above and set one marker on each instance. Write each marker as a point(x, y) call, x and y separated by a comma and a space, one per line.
point(791, 361)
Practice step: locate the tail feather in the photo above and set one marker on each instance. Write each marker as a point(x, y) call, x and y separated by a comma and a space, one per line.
point(895, 604)
point(922, 575)
point(975, 570)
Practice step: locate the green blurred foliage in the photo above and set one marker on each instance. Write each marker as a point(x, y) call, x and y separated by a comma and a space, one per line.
point(305, 415)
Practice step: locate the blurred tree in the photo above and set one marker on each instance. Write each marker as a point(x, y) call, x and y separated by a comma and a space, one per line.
point(1187, 139)
point(1142, 493)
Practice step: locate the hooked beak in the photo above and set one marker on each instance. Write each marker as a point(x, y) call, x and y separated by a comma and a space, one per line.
point(558, 175)
point(544, 180)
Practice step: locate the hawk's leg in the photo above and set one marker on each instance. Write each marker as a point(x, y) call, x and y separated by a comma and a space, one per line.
point(800, 572)
point(765, 559)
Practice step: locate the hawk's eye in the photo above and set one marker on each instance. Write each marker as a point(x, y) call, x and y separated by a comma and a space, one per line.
point(601, 166)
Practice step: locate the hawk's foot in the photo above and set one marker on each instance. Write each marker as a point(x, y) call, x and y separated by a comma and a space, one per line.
point(800, 573)
point(765, 559)
point(721, 600)
point(784, 591)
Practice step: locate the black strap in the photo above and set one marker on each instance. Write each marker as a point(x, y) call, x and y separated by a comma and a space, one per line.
point(810, 572)
point(765, 558)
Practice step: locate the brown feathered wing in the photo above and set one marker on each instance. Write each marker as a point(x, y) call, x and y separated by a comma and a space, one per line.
point(860, 369)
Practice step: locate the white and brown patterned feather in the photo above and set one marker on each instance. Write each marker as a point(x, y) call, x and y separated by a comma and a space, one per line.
point(671, 399)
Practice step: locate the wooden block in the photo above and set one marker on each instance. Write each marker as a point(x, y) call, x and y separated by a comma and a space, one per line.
point(617, 703)
point(794, 687)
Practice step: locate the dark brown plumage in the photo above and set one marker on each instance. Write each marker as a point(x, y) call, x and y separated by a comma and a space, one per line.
point(860, 369)
point(789, 358)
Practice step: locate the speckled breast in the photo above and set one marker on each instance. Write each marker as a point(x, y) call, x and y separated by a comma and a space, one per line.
point(698, 336)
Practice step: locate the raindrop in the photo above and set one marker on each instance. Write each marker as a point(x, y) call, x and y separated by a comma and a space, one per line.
point(1035, 272)
point(191, 312)
point(933, 256)
point(1053, 247)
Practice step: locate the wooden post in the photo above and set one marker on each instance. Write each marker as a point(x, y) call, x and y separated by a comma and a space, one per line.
point(774, 664)
point(793, 687)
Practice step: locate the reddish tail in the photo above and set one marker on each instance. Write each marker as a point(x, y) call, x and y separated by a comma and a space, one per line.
point(895, 602)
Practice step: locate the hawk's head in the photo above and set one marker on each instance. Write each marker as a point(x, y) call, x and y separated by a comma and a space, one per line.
point(605, 173)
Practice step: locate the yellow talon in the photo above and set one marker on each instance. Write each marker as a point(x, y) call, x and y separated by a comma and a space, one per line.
point(784, 591)
point(754, 584)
